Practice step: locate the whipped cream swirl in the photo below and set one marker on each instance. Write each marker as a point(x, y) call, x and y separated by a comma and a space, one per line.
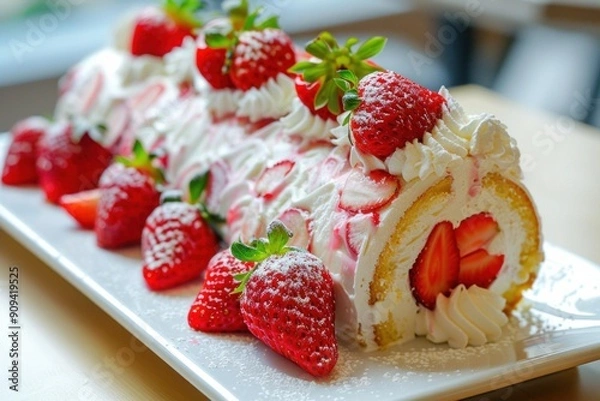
point(467, 317)
point(301, 121)
point(455, 136)
point(271, 100)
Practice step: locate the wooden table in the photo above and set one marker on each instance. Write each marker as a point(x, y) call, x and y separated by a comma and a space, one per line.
point(73, 350)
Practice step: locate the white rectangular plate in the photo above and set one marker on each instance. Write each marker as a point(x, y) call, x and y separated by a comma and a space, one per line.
point(559, 328)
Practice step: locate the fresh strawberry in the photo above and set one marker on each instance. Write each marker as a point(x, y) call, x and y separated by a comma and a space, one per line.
point(216, 308)
point(475, 232)
point(436, 269)
point(243, 53)
point(388, 111)
point(288, 301)
point(211, 61)
point(129, 195)
point(271, 180)
point(260, 55)
point(318, 78)
point(19, 164)
point(157, 31)
point(366, 193)
point(70, 160)
point(307, 93)
point(479, 268)
point(82, 206)
point(177, 240)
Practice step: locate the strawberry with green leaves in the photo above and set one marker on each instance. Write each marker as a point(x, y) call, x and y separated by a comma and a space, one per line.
point(70, 159)
point(287, 300)
point(244, 51)
point(157, 31)
point(178, 240)
point(216, 308)
point(315, 83)
point(388, 110)
point(19, 164)
point(129, 193)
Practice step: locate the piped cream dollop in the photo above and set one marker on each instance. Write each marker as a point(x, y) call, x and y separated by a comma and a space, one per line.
point(271, 100)
point(301, 121)
point(470, 316)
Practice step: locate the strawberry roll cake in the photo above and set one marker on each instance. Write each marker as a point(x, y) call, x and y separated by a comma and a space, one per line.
point(415, 207)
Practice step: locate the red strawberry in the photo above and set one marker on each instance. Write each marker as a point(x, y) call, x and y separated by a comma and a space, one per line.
point(271, 180)
point(437, 267)
point(316, 81)
point(211, 64)
point(82, 206)
point(216, 308)
point(157, 31)
point(475, 232)
point(129, 195)
point(260, 55)
point(19, 164)
point(307, 93)
point(479, 268)
point(67, 165)
point(366, 193)
point(288, 302)
point(389, 111)
point(177, 244)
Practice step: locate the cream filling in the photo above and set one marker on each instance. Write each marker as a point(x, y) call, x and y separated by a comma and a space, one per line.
point(271, 100)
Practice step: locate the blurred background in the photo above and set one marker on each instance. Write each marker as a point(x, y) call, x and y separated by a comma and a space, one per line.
point(543, 54)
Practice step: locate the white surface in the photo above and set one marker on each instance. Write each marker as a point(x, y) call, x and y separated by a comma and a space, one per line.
point(560, 330)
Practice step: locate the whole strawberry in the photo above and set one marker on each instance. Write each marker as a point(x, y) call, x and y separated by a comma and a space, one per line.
point(316, 81)
point(177, 240)
point(389, 110)
point(129, 194)
point(288, 301)
point(19, 164)
point(260, 55)
point(243, 52)
point(70, 160)
point(157, 31)
point(217, 308)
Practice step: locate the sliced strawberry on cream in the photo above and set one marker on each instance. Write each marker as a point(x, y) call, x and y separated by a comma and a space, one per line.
point(271, 181)
point(367, 193)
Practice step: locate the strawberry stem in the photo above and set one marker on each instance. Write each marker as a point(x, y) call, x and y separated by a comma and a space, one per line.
point(334, 61)
point(184, 11)
point(143, 161)
point(278, 235)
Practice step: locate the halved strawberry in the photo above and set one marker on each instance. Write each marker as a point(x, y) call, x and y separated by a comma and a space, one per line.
point(82, 206)
point(366, 193)
point(270, 182)
point(479, 268)
point(436, 269)
point(297, 221)
point(358, 228)
point(475, 232)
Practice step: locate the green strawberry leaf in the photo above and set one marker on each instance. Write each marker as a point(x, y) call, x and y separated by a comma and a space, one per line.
point(217, 40)
point(371, 47)
point(242, 278)
point(301, 66)
point(247, 253)
point(351, 42)
point(271, 22)
point(318, 48)
point(343, 84)
point(351, 100)
point(315, 72)
point(197, 186)
point(348, 76)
